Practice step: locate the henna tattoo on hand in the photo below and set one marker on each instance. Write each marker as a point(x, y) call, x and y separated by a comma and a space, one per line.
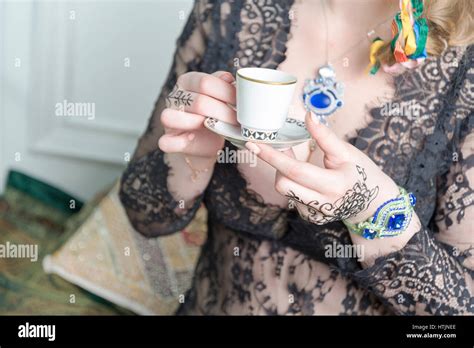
point(354, 201)
point(178, 98)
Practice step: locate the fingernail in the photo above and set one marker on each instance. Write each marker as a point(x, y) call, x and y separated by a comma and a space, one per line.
point(227, 77)
point(252, 147)
point(191, 136)
point(314, 118)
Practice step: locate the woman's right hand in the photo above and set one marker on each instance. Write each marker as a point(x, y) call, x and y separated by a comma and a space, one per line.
point(195, 96)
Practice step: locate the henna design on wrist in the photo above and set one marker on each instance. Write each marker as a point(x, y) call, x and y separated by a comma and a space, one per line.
point(178, 98)
point(354, 201)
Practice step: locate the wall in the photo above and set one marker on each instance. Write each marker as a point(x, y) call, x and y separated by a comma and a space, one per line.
point(106, 57)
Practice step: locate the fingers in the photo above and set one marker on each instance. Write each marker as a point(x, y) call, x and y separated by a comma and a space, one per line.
point(197, 143)
point(217, 85)
point(290, 153)
point(180, 120)
point(305, 200)
point(303, 173)
point(206, 95)
point(333, 147)
point(203, 105)
point(224, 75)
point(207, 106)
point(289, 188)
point(172, 143)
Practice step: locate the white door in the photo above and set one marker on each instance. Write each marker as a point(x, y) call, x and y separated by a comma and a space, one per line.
point(78, 82)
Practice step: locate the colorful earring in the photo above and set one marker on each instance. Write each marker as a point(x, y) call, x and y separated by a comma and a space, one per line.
point(409, 35)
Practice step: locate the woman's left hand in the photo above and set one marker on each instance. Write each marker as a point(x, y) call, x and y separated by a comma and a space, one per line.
point(350, 186)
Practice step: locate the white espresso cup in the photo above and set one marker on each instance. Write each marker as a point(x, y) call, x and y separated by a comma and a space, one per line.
point(263, 99)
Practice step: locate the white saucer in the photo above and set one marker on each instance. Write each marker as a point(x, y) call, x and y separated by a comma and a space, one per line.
point(293, 133)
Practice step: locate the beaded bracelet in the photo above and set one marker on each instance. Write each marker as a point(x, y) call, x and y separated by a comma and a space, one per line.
point(391, 218)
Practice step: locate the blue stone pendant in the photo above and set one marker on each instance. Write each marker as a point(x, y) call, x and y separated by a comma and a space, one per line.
point(323, 95)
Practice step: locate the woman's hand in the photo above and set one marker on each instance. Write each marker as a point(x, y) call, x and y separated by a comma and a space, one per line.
point(195, 96)
point(349, 187)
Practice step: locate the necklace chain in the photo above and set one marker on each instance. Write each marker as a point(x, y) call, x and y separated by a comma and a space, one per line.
point(312, 142)
point(366, 37)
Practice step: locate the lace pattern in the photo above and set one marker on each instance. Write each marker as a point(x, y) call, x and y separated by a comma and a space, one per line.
point(422, 278)
point(261, 259)
point(151, 208)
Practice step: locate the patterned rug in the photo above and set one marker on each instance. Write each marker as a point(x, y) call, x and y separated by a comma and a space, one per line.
point(35, 219)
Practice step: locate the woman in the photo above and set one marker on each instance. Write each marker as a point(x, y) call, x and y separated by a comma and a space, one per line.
point(270, 227)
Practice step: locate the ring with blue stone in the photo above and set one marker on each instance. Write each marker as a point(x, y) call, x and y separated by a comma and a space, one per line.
point(391, 218)
point(323, 95)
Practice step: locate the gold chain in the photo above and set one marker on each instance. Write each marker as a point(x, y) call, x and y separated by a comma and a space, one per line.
point(195, 172)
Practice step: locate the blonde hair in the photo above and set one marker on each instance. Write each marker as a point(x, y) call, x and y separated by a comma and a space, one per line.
point(450, 22)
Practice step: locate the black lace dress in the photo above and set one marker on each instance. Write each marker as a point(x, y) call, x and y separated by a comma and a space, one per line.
point(262, 259)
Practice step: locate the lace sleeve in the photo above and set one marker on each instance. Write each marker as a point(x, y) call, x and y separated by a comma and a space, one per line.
point(433, 274)
point(151, 208)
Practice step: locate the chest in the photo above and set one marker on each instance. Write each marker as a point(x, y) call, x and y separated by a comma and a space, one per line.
point(311, 45)
point(362, 92)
